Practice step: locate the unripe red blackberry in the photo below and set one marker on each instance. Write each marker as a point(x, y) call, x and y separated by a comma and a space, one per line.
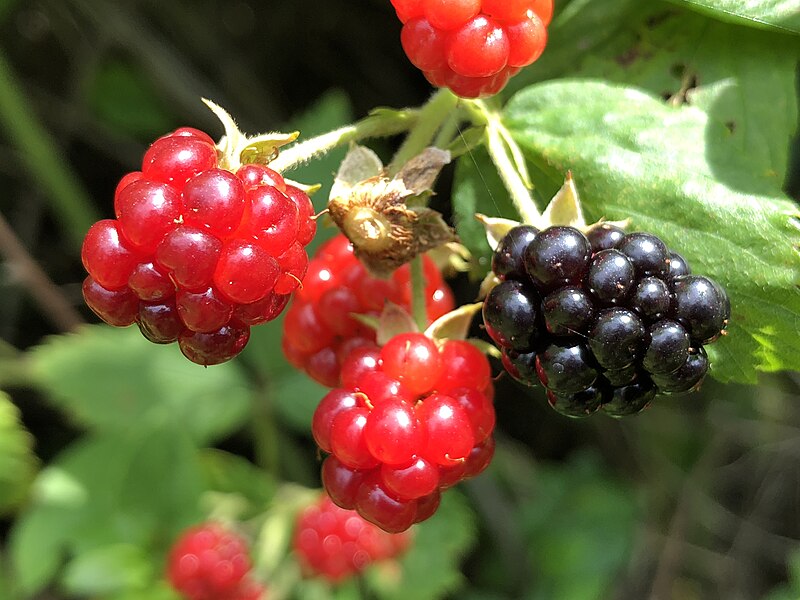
point(334, 543)
point(417, 420)
point(319, 330)
point(209, 562)
point(197, 254)
point(603, 321)
point(473, 46)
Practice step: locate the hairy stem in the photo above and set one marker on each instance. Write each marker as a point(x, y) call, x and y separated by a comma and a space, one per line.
point(418, 308)
point(380, 124)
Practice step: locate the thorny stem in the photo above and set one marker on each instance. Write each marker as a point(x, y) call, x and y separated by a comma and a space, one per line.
point(497, 143)
point(431, 116)
point(418, 308)
point(380, 124)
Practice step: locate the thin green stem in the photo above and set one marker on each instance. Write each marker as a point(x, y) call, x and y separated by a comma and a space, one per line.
point(448, 131)
point(431, 116)
point(265, 434)
point(508, 160)
point(418, 308)
point(381, 124)
point(43, 159)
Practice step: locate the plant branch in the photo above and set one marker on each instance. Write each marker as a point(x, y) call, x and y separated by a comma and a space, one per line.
point(47, 295)
point(382, 123)
point(508, 159)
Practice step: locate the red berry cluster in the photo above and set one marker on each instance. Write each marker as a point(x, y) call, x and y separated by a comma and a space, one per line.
point(336, 543)
point(209, 562)
point(319, 331)
point(197, 254)
point(473, 46)
point(409, 420)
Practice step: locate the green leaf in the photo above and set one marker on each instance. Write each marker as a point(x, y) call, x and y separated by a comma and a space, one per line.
point(17, 461)
point(296, 397)
point(782, 15)
point(579, 520)
point(107, 570)
point(431, 567)
point(743, 78)
point(139, 489)
point(112, 379)
point(633, 156)
point(231, 474)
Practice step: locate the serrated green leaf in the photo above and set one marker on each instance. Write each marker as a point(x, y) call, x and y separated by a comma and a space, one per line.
point(741, 77)
point(781, 15)
point(108, 570)
point(17, 461)
point(112, 379)
point(431, 567)
point(633, 156)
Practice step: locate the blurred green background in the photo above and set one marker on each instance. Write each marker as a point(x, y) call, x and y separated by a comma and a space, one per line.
point(697, 498)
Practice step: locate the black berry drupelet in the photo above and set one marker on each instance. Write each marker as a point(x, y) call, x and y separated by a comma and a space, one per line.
point(604, 321)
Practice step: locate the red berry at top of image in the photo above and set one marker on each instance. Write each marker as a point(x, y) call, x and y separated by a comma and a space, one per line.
point(473, 47)
point(209, 562)
point(335, 544)
point(197, 253)
point(319, 330)
point(416, 417)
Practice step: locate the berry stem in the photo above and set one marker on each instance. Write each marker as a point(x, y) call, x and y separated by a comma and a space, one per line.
point(418, 293)
point(508, 159)
point(431, 116)
point(381, 123)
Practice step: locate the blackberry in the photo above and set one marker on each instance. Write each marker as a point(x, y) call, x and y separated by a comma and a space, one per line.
point(510, 313)
point(508, 260)
point(611, 276)
point(604, 321)
point(557, 256)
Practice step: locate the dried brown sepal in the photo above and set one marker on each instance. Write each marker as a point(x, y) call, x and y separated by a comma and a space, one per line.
point(375, 216)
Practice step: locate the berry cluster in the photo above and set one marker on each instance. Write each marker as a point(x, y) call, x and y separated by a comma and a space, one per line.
point(409, 420)
point(335, 543)
point(473, 47)
point(319, 331)
point(603, 320)
point(197, 254)
point(209, 562)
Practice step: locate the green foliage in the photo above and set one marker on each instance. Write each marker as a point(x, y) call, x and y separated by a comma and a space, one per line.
point(636, 157)
point(108, 378)
point(17, 462)
point(138, 489)
point(579, 529)
point(782, 15)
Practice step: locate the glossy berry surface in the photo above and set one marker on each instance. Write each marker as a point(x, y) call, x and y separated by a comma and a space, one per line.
point(604, 321)
point(334, 544)
point(209, 562)
point(473, 46)
point(202, 253)
point(416, 418)
point(320, 331)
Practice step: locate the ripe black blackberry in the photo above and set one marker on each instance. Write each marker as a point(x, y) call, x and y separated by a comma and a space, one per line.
point(604, 321)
